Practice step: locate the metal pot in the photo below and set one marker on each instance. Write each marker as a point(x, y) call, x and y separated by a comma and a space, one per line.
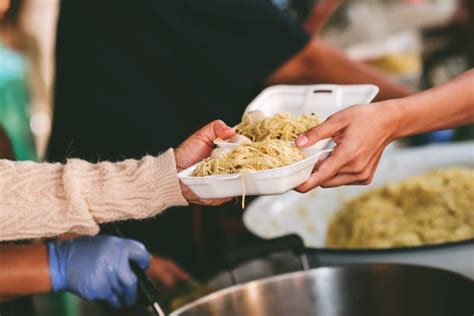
point(385, 289)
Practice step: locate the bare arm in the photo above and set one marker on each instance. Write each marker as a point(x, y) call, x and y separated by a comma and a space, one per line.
point(320, 14)
point(23, 270)
point(93, 268)
point(363, 131)
point(319, 62)
point(446, 106)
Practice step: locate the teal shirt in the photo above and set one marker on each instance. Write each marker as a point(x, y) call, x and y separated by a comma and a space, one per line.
point(14, 103)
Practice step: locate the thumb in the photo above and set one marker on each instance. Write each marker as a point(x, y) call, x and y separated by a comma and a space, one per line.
point(138, 253)
point(215, 129)
point(325, 130)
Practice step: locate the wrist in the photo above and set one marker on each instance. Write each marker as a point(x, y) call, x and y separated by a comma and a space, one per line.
point(57, 269)
point(394, 115)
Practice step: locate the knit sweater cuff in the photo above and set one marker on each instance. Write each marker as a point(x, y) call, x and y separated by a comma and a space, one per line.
point(131, 189)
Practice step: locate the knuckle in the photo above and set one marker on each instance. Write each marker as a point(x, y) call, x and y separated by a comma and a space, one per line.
point(371, 178)
point(305, 187)
point(141, 247)
point(354, 150)
point(314, 133)
point(336, 117)
point(358, 166)
point(300, 189)
point(348, 150)
point(366, 177)
point(217, 123)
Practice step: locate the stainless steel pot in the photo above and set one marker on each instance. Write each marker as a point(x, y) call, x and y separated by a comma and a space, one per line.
point(350, 291)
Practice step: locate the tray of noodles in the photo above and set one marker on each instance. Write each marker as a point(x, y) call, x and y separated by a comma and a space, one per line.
point(262, 159)
point(419, 209)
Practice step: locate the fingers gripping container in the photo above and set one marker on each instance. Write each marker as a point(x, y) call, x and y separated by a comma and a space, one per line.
point(323, 100)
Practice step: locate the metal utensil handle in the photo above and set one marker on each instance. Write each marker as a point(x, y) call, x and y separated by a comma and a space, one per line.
point(147, 288)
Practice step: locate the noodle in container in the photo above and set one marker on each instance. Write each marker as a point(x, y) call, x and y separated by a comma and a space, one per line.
point(322, 100)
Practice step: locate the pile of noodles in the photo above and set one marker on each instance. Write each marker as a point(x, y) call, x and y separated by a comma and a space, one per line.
point(267, 154)
point(281, 126)
point(432, 208)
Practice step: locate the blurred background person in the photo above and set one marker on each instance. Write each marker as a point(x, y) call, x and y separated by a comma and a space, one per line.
point(167, 69)
point(21, 88)
point(18, 54)
point(122, 57)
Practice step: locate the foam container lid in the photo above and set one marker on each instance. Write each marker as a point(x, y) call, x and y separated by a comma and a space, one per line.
point(323, 100)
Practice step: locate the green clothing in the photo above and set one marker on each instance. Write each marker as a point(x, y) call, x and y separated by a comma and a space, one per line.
point(15, 120)
point(14, 101)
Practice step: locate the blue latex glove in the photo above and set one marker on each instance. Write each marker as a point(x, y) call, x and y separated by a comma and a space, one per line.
point(97, 268)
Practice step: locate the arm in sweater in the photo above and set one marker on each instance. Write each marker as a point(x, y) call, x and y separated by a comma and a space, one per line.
point(42, 199)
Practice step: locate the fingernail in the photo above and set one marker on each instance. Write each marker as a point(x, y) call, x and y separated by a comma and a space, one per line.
point(227, 130)
point(223, 127)
point(220, 124)
point(301, 141)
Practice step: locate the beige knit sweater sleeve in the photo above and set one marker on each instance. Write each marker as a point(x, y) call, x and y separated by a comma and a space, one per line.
point(46, 199)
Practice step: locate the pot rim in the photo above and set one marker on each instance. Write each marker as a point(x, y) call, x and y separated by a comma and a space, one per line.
point(364, 251)
point(275, 278)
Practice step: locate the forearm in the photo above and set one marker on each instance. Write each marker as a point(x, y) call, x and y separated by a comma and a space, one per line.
point(24, 270)
point(449, 105)
point(319, 62)
point(335, 67)
point(40, 200)
point(320, 14)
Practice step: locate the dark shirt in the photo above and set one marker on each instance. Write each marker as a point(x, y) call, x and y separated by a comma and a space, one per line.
point(137, 77)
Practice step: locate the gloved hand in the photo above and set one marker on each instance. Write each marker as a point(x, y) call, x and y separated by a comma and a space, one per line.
point(97, 268)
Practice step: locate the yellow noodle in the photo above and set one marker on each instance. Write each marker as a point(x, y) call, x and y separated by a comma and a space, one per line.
point(281, 126)
point(269, 148)
point(432, 208)
point(267, 154)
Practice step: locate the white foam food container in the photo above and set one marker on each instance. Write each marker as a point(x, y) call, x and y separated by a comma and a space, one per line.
point(323, 100)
